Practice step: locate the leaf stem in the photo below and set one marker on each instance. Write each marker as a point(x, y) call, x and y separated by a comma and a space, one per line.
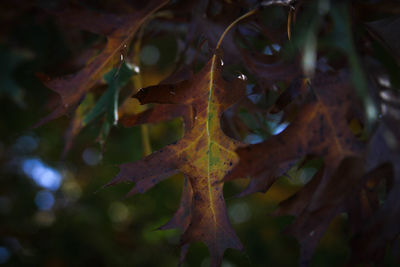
point(248, 14)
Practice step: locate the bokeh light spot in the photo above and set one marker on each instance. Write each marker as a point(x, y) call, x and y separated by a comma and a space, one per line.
point(149, 55)
point(44, 200)
point(4, 255)
point(42, 174)
point(91, 156)
point(239, 212)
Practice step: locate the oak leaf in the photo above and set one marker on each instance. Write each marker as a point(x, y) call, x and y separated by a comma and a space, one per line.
point(320, 129)
point(382, 228)
point(204, 154)
point(119, 31)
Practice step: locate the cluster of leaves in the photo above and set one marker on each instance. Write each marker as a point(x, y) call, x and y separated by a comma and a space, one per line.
point(327, 69)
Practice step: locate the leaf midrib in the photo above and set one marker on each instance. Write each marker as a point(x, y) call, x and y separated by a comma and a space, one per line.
point(210, 93)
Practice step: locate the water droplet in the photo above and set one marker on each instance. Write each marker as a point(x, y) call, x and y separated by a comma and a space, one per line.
point(242, 77)
point(172, 93)
point(136, 69)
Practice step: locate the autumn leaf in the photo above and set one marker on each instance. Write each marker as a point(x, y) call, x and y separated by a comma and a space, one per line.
point(118, 30)
point(382, 228)
point(204, 154)
point(318, 203)
point(320, 129)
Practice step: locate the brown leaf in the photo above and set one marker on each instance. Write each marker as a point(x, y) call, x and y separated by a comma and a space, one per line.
point(320, 129)
point(319, 203)
point(204, 154)
point(159, 113)
point(383, 228)
point(72, 88)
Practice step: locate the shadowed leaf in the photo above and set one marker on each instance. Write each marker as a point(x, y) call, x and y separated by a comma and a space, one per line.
point(371, 240)
point(72, 88)
point(204, 154)
point(320, 129)
point(107, 105)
